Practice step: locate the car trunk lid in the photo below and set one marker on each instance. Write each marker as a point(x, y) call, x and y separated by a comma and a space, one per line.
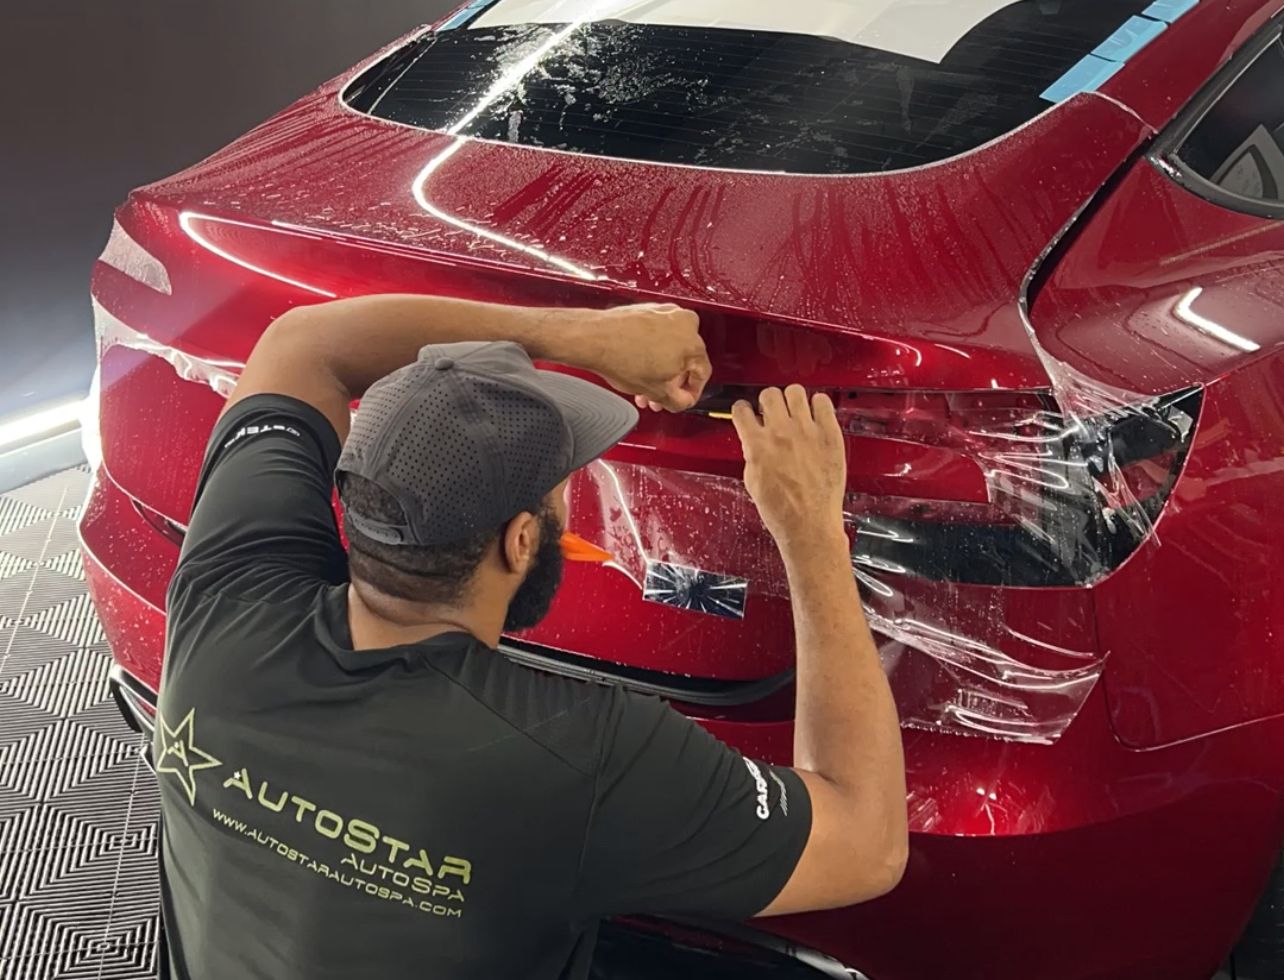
point(899, 293)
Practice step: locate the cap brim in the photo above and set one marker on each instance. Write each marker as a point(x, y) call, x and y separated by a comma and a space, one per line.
point(598, 418)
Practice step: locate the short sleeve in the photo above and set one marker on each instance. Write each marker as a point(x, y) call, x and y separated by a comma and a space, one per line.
point(683, 824)
point(263, 502)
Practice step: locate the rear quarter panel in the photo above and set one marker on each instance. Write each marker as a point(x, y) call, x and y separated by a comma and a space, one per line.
point(1193, 623)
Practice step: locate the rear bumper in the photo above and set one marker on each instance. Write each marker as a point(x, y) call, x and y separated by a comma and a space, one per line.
point(135, 700)
point(137, 705)
point(1082, 860)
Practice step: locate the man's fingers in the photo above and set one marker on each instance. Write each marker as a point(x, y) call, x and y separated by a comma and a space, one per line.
point(699, 371)
point(822, 408)
point(692, 383)
point(679, 396)
point(796, 399)
point(772, 404)
point(746, 422)
point(826, 418)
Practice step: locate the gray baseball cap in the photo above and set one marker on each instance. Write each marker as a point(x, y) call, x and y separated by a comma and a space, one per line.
point(470, 435)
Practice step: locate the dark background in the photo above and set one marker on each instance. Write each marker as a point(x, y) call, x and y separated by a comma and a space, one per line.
point(105, 95)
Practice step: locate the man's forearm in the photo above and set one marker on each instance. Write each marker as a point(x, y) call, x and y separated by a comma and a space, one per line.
point(846, 728)
point(330, 353)
point(364, 338)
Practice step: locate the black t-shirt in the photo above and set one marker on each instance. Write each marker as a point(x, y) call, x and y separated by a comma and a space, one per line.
point(427, 810)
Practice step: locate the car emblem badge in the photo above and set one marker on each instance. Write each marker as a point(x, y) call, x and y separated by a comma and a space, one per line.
point(695, 589)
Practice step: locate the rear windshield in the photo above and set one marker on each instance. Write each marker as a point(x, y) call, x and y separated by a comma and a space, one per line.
point(876, 84)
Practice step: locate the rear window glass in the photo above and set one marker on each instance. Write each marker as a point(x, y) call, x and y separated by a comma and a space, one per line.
point(869, 94)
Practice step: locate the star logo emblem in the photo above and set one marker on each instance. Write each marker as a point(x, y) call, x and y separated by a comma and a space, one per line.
point(179, 754)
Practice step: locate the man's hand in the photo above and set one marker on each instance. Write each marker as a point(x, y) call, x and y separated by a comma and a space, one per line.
point(652, 351)
point(795, 464)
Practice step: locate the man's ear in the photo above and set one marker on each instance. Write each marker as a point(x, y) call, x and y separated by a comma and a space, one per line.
point(519, 543)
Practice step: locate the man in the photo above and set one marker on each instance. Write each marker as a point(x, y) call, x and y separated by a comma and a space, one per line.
point(355, 784)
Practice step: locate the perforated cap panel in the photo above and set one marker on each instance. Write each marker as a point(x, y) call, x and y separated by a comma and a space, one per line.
point(472, 434)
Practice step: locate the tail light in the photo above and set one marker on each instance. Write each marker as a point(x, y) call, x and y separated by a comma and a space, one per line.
point(1050, 501)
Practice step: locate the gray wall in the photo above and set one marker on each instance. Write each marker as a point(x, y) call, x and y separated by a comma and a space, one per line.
point(105, 95)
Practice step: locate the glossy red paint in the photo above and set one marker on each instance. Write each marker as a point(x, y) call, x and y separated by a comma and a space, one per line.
point(1085, 858)
point(1192, 50)
point(1191, 653)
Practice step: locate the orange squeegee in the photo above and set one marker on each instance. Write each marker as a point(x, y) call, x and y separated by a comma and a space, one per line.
point(575, 548)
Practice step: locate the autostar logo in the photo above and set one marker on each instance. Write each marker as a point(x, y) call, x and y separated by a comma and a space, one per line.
point(360, 836)
point(178, 755)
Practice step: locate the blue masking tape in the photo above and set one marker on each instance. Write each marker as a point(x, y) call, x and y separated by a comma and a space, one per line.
point(466, 14)
point(1133, 35)
point(1169, 10)
point(1086, 75)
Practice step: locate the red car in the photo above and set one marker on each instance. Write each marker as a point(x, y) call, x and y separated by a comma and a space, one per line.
point(1035, 248)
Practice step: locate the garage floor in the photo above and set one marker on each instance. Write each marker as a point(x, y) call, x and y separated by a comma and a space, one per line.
point(77, 806)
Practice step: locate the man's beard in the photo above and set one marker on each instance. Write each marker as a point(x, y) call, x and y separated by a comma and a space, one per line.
point(535, 594)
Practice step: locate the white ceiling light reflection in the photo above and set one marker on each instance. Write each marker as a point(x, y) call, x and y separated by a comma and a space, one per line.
point(187, 220)
point(505, 83)
point(1184, 311)
point(39, 425)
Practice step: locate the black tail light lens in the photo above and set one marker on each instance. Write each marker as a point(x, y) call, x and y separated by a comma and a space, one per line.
point(1065, 500)
point(1070, 500)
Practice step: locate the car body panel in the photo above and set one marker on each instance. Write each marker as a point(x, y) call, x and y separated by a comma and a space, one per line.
point(922, 314)
point(1118, 305)
point(1186, 56)
point(780, 246)
point(1160, 289)
point(1198, 651)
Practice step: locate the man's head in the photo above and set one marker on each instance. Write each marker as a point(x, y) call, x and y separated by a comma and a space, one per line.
point(453, 479)
point(521, 560)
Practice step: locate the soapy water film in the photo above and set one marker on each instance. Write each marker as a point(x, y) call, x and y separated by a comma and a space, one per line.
point(1059, 514)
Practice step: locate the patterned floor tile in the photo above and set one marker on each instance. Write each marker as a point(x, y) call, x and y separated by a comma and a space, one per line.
point(78, 808)
point(23, 647)
point(19, 719)
point(64, 686)
point(71, 620)
point(47, 536)
point(16, 513)
point(69, 563)
point(56, 492)
point(48, 762)
point(13, 565)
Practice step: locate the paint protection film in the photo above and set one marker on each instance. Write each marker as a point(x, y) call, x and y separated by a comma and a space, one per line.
point(217, 374)
point(974, 575)
point(976, 586)
point(979, 521)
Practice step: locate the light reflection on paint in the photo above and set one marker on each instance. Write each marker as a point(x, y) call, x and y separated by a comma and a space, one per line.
point(1186, 314)
point(186, 221)
point(501, 86)
point(421, 198)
